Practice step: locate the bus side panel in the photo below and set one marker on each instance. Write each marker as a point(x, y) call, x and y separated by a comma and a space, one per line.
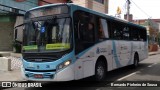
point(86, 60)
point(117, 63)
point(109, 54)
point(84, 68)
point(125, 52)
point(66, 74)
point(84, 65)
point(105, 49)
point(143, 51)
point(136, 48)
point(78, 69)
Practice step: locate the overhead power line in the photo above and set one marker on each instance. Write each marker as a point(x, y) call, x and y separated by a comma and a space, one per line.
point(141, 9)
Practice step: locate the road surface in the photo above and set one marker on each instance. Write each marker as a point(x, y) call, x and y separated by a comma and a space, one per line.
point(148, 70)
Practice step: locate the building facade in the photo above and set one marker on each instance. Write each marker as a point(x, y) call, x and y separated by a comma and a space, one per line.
point(153, 31)
point(97, 5)
point(11, 14)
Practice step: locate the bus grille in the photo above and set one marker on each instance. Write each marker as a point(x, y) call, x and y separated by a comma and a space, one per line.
point(42, 59)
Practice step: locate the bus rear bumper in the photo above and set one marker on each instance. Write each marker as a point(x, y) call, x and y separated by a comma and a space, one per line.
point(66, 74)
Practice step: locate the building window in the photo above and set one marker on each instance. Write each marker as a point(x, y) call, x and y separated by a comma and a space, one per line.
point(100, 1)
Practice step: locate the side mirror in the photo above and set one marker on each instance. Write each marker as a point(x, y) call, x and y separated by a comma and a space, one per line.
point(18, 37)
point(18, 33)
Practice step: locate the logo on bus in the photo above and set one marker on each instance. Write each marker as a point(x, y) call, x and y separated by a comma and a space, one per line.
point(98, 51)
point(101, 50)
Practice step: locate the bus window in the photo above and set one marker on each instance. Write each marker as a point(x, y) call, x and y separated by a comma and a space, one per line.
point(134, 34)
point(142, 34)
point(102, 29)
point(117, 31)
point(125, 33)
point(88, 32)
point(84, 24)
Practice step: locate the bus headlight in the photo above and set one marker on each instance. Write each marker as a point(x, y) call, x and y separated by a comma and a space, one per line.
point(64, 64)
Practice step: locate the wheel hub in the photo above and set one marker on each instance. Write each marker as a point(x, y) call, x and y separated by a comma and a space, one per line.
point(100, 71)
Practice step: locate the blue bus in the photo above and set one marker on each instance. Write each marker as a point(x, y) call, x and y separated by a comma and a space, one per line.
point(63, 42)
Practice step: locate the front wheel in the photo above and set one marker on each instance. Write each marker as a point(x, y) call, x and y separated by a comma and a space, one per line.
point(100, 71)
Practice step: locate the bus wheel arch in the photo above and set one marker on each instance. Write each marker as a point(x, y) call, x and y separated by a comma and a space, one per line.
point(101, 68)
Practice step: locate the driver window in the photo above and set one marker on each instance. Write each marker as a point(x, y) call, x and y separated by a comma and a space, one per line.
point(84, 24)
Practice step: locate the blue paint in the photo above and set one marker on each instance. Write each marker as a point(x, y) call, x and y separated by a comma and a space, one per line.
point(83, 52)
point(115, 55)
point(43, 29)
point(46, 75)
point(44, 65)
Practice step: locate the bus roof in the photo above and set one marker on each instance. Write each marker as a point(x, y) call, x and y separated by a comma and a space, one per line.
point(90, 11)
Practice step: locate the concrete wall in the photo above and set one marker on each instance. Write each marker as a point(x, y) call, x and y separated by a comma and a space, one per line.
point(5, 64)
point(6, 33)
point(7, 21)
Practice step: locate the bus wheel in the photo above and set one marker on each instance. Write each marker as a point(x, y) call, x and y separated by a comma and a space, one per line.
point(136, 61)
point(100, 71)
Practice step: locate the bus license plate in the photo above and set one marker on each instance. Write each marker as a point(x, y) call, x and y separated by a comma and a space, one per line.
point(38, 76)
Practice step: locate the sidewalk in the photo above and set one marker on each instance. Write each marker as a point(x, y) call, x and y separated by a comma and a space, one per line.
point(154, 53)
point(15, 74)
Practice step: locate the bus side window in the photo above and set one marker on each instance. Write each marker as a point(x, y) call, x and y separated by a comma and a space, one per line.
point(102, 29)
point(126, 33)
point(88, 33)
point(142, 34)
point(117, 34)
point(132, 34)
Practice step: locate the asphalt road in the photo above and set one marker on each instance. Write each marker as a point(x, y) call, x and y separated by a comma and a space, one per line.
point(148, 70)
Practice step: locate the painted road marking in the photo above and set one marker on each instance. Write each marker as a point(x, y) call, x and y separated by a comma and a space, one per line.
point(127, 76)
point(152, 64)
point(134, 73)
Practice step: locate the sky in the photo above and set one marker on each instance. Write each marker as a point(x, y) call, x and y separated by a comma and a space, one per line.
point(148, 8)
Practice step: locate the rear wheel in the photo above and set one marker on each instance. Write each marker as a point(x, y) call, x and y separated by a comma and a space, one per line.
point(100, 71)
point(136, 61)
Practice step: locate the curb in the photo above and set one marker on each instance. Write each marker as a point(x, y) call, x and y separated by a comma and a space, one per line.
point(154, 53)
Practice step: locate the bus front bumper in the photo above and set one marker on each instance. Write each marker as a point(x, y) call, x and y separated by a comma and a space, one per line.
point(65, 74)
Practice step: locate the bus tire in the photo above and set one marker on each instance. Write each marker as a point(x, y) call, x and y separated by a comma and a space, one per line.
point(136, 61)
point(100, 71)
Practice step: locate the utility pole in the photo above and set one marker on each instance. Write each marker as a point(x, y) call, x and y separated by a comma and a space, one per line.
point(128, 9)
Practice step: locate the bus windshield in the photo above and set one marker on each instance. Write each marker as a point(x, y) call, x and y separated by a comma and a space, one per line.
point(47, 35)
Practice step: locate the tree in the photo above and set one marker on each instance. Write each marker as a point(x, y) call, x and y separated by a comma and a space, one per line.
point(158, 38)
